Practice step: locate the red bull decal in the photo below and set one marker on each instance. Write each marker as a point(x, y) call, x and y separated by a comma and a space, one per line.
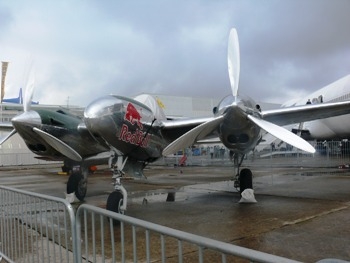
point(133, 116)
point(136, 138)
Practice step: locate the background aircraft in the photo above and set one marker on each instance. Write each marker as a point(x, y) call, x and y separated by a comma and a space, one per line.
point(18, 100)
point(334, 128)
point(131, 133)
point(329, 128)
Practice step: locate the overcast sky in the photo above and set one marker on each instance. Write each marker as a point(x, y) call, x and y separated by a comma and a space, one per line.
point(86, 49)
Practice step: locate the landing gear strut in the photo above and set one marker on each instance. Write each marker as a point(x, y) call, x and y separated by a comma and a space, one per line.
point(117, 200)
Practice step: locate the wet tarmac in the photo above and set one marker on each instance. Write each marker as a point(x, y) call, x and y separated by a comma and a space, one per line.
point(301, 213)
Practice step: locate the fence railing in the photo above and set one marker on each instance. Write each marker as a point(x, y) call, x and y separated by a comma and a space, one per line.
point(40, 228)
point(36, 227)
point(328, 154)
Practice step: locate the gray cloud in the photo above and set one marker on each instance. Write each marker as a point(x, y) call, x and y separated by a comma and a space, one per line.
point(87, 49)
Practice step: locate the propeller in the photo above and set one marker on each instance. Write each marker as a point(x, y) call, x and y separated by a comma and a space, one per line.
point(199, 132)
point(233, 61)
point(28, 96)
point(59, 145)
point(283, 134)
point(189, 138)
point(29, 91)
point(13, 132)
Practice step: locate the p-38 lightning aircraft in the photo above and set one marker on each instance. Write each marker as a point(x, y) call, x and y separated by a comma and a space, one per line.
point(130, 133)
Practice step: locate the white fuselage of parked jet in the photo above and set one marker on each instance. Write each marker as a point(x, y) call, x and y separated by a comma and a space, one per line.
point(329, 128)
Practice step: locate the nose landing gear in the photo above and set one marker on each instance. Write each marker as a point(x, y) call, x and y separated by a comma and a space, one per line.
point(243, 180)
point(117, 200)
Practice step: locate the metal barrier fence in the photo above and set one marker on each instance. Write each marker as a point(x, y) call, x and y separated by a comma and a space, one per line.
point(332, 153)
point(107, 236)
point(40, 228)
point(328, 154)
point(36, 227)
point(20, 158)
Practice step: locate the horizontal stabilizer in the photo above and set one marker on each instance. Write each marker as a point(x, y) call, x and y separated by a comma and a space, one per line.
point(59, 145)
point(283, 134)
point(189, 138)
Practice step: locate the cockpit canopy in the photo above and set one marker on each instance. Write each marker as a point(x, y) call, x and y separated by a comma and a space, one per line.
point(230, 99)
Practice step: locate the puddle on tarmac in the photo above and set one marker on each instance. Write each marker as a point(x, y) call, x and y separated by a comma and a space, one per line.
point(320, 173)
point(189, 191)
point(182, 193)
point(157, 196)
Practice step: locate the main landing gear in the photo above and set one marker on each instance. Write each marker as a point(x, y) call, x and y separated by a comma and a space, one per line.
point(117, 200)
point(77, 183)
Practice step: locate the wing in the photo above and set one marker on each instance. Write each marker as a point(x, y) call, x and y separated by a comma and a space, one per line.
point(285, 116)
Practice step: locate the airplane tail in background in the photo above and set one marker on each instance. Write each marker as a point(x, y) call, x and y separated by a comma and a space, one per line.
point(18, 100)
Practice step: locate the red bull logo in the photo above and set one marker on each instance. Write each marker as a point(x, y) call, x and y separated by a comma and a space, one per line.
point(133, 116)
point(137, 137)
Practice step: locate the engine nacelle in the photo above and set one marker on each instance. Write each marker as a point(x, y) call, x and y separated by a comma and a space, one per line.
point(237, 132)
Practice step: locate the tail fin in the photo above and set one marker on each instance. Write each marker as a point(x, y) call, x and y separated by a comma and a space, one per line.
point(18, 100)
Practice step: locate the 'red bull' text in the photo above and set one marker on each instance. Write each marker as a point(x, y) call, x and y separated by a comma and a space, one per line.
point(137, 138)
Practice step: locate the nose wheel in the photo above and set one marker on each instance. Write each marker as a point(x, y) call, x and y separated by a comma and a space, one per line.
point(117, 200)
point(243, 180)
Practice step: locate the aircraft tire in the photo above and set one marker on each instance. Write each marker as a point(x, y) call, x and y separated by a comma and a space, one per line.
point(76, 183)
point(114, 202)
point(245, 180)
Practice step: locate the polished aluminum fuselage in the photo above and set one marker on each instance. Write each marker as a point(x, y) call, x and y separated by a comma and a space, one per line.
point(127, 126)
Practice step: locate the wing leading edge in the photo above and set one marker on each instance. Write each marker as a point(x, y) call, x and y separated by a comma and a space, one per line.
point(309, 112)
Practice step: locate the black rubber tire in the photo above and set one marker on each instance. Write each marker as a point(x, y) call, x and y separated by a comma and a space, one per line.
point(114, 202)
point(76, 183)
point(245, 180)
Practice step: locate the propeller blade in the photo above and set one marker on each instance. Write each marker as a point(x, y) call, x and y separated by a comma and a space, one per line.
point(283, 134)
point(28, 96)
point(59, 145)
point(190, 137)
point(233, 61)
point(13, 132)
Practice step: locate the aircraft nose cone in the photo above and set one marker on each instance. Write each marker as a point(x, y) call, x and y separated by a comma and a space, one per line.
point(28, 117)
